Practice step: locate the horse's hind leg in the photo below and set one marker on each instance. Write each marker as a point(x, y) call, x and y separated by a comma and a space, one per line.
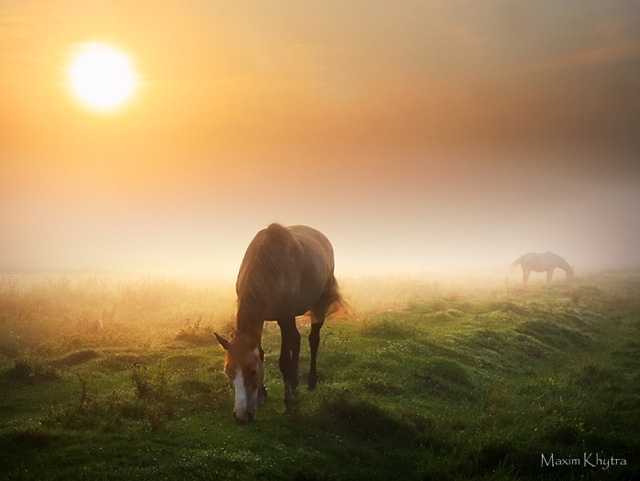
point(317, 320)
point(318, 314)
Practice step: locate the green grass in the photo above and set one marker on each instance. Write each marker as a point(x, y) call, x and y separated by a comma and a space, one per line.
point(461, 383)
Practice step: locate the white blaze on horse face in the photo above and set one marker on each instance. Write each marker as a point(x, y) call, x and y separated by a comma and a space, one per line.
point(246, 381)
point(240, 410)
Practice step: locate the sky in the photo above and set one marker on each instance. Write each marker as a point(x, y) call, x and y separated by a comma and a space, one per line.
point(417, 135)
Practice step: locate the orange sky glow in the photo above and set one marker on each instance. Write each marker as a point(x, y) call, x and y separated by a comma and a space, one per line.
point(417, 136)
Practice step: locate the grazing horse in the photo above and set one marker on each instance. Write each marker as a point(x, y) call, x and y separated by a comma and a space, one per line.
point(542, 262)
point(285, 272)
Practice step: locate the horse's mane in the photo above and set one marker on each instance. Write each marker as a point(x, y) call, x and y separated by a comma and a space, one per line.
point(562, 263)
point(262, 266)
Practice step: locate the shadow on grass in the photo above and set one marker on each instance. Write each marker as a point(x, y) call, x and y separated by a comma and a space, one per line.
point(28, 372)
point(31, 437)
point(364, 419)
point(75, 358)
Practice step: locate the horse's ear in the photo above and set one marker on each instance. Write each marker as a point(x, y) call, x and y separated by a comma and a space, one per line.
point(222, 341)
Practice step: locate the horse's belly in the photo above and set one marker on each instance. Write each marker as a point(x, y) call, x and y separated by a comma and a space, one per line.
point(292, 308)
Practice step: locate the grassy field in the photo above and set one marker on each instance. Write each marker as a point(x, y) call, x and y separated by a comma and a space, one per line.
point(106, 379)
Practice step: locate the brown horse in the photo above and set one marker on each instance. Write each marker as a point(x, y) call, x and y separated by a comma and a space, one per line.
point(285, 272)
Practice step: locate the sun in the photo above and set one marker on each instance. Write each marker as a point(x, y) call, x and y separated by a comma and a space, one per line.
point(101, 76)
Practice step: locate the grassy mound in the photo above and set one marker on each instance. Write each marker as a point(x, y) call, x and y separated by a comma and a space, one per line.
point(463, 385)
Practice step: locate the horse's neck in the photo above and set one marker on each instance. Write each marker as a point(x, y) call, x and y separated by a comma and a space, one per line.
point(562, 264)
point(249, 322)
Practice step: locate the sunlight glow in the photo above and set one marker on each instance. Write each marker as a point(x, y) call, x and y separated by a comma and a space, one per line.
point(101, 76)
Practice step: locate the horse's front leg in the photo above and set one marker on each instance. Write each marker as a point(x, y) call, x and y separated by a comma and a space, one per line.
point(549, 275)
point(262, 390)
point(289, 360)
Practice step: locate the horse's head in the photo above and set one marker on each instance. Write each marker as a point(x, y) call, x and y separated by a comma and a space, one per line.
point(243, 363)
point(570, 273)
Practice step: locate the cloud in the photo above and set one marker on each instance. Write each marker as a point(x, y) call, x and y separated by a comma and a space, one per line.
point(593, 56)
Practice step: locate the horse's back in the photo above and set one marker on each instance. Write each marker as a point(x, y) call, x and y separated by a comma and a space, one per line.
point(291, 266)
point(297, 243)
point(540, 262)
point(318, 252)
point(269, 253)
point(317, 266)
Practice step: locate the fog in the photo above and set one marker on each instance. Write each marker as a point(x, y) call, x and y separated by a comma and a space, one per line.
point(410, 219)
point(419, 139)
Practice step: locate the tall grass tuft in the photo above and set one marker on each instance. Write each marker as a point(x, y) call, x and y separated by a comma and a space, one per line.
point(140, 380)
point(148, 385)
point(194, 332)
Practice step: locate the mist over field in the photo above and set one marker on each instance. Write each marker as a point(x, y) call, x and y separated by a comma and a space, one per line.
point(409, 220)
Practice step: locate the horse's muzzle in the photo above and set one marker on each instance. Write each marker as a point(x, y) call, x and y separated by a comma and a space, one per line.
point(245, 417)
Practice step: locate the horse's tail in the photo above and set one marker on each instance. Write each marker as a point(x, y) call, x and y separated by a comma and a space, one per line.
point(515, 263)
point(342, 309)
point(332, 297)
point(332, 301)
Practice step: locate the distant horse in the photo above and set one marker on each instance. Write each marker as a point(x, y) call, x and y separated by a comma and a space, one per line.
point(542, 262)
point(285, 272)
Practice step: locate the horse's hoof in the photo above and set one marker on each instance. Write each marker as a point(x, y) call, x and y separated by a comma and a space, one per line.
point(290, 411)
point(290, 407)
point(312, 381)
